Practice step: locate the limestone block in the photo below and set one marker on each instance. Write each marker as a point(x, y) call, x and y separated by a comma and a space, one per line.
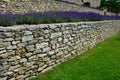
point(51, 52)
point(23, 60)
point(11, 47)
point(28, 54)
point(3, 51)
point(27, 33)
point(15, 42)
point(27, 38)
point(30, 48)
point(54, 35)
point(5, 44)
point(20, 51)
point(41, 68)
point(41, 45)
point(41, 55)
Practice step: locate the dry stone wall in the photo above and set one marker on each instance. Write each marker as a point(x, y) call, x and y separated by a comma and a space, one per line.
point(27, 50)
point(24, 6)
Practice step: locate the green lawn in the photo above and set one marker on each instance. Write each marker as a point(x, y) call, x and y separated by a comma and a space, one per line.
point(99, 63)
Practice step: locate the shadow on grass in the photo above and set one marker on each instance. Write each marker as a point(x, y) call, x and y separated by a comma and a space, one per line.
point(118, 39)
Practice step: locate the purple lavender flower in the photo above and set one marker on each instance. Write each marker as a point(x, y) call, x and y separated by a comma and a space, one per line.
point(52, 17)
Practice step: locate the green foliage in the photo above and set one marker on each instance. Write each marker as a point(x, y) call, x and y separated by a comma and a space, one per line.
point(6, 22)
point(112, 5)
point(27, 20)
point(99, 63)
point(10, 19)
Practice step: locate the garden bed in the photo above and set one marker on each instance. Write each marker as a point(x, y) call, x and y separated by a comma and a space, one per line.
point(10, 19)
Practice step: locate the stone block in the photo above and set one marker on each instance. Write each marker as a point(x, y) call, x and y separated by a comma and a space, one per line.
point(30, 48)
point(46, 59)
point(12, 47)
point(27, 33)
point(20, 45)
point(28, 54)
point(4, 44)
point(32, 57)
point(41, 45)
point(9, 73)
point(23, 60)
point(60, 39)
point(14, 67)
point(27, 38)
point(15, 42)
point(34, 41)
point(8, 39)
point(51, 52)
point(8, 34)
point(41, 55)
point(41, 68)
point(3, 78)
point(28, 64)
point(55, 35)
point(3, 51)
point(20, 51)
point(21, 72)
point(47, 49)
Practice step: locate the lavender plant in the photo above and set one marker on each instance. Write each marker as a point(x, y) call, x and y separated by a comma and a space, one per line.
point(9, 19)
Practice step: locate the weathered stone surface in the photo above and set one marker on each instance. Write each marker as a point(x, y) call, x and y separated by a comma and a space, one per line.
point(23, 60)
point(8, 34)
point(46, 59)
point(51, 52)
point(15, 42)
point(12, 78)
point(27, 33)
point(3, 78)
point(8, 39)
point(60, 39)
point(53, 35)
point(42, 55)
point(11, 47)
point(14, 67)
point(47, 49)
point(41, 45)
point(26, 56)
point(27, 38)
point(4, 44)
point(41, 68)
point(22, 45)
point(30, 48)
point(23, 6)
point(20, 51)
point(21, 72)
point(32, 57)
point(34, 41)
point(28, 64)
point(9, 73)
point(3, 51)
point(20, 77)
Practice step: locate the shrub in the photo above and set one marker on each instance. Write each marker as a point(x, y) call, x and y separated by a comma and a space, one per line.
point(6, 22)
point(10, 19)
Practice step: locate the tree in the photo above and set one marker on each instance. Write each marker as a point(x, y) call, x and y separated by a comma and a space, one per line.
point(111, 5)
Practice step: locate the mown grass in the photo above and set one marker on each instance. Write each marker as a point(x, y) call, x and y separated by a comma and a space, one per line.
point(99, 63)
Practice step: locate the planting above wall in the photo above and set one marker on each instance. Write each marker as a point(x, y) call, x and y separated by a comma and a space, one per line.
point(9, 19)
